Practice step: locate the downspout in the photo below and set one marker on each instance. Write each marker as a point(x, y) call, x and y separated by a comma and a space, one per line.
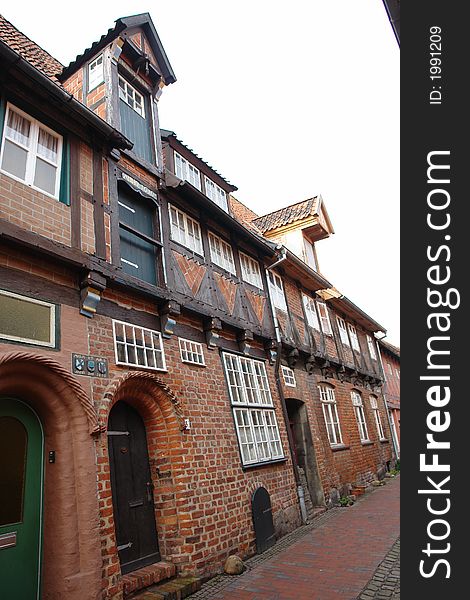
point(277, 369)
point(394, 442)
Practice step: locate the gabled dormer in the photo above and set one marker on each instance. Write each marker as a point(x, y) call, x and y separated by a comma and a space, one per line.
point(121, 77)
point(298, 227)
point(181, 162)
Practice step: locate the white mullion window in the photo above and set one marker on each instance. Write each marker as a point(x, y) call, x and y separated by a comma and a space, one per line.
point(378, 421)
point(250, 270)
point(221, 253)
point(185, 230)
point(191, 352)
point(138, 346)
point(311, 312)
point(289, 377)
point(131, 97)
point(186, 171)
point(330, 414)
point(343, 334)
point(276, 288)
point(324, 318)
point(95, 73)
point(371, 346)
point(31, 152)
point(360, 416)
point(354, 338)
point(256, 424)
point(215, 193)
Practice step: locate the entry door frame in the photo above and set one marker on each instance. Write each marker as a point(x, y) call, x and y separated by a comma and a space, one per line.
point(14, 404)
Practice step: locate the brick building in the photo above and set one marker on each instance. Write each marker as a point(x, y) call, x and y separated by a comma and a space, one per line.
point(139, 356)
point(390, 356)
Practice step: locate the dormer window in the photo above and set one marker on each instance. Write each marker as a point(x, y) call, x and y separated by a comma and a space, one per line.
point(131, 97)
point(186, 171)
point(309, 254)
point(95, 73)
point(215, 193)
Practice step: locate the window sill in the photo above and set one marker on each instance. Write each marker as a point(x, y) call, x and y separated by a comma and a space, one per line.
point(384, 441)
point(265, 463)
point(367, 443)
point(339, 447)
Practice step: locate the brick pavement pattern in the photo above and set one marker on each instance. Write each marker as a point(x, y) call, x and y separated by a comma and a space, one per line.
point(331, 559)
point(385, 584)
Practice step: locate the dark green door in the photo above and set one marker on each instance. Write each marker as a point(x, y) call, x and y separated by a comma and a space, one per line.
point(21, 483)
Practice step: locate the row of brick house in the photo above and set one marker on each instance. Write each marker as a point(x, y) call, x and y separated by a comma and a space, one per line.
point(173, 367)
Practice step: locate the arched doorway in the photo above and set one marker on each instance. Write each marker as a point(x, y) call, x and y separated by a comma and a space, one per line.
point(304, 450)
point(21, 490)
point(132, 489)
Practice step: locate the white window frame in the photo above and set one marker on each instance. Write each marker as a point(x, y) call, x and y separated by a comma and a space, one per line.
point(255, 420)
point(32, 152)
point(156, 351)
point(378, 421)
point(276, 289)
point(186, 171)
point(191, 352)
point(97, 78)
point(324, 318)
point(354, 338)
point(52, 322)
point(330, 414)
point(187, 231)
point(251, 273)
point(131, 91)
point(371, 346)
point(289, 376)
point(343, 332)
point(311, 311)
point(215, 193)
point(221, 253)
point(360, 416)
point(397, 373)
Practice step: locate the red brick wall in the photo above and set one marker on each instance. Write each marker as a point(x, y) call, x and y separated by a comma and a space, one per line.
point(203, 506)
point(356, 463)
point(34, 211)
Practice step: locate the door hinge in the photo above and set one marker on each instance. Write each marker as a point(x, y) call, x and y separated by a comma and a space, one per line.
point(124, 546)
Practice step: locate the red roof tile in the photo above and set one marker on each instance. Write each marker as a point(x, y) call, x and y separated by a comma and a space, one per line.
point(30, 51)
point(289, 214)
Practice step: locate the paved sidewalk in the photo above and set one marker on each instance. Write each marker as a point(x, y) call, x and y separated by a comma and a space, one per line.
point(385, 584)
point(334, 558)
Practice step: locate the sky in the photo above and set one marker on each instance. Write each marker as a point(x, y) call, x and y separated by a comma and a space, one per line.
point(286, 100)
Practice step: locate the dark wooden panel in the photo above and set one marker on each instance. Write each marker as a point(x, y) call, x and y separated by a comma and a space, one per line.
point(98, 205)
point(262, 520)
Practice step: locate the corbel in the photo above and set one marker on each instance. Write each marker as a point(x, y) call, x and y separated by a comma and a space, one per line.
point(270, 347)
point(310, 363)
point(168, 310)
point(293, 357)
point(244, 338)
point(91, 288)
point(212, 326)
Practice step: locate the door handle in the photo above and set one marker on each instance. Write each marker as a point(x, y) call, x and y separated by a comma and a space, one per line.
point(149, 485)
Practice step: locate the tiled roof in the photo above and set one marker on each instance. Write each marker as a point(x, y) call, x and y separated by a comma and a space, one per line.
point(30, 51)
point(390, 347)
point(287, 215)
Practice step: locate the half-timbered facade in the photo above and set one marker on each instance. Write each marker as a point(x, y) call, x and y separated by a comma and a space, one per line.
point(166, 363)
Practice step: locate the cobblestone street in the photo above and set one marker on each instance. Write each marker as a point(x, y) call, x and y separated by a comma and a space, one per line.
point(345, 554)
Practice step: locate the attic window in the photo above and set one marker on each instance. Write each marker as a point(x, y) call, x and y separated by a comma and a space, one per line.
point(131, 97)
point(216, 193)
point(95, 73)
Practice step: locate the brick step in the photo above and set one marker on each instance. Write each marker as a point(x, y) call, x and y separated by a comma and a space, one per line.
point(318, 510)
point(146, 576)
point(358, 490)
point(174, 589)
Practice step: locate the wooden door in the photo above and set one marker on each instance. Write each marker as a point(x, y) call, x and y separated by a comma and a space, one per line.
point(131, 484)
point(262, 520)
point(21, 487)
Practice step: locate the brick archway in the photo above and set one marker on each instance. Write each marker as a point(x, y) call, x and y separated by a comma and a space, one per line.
point(71, 547)
point(161, 412)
